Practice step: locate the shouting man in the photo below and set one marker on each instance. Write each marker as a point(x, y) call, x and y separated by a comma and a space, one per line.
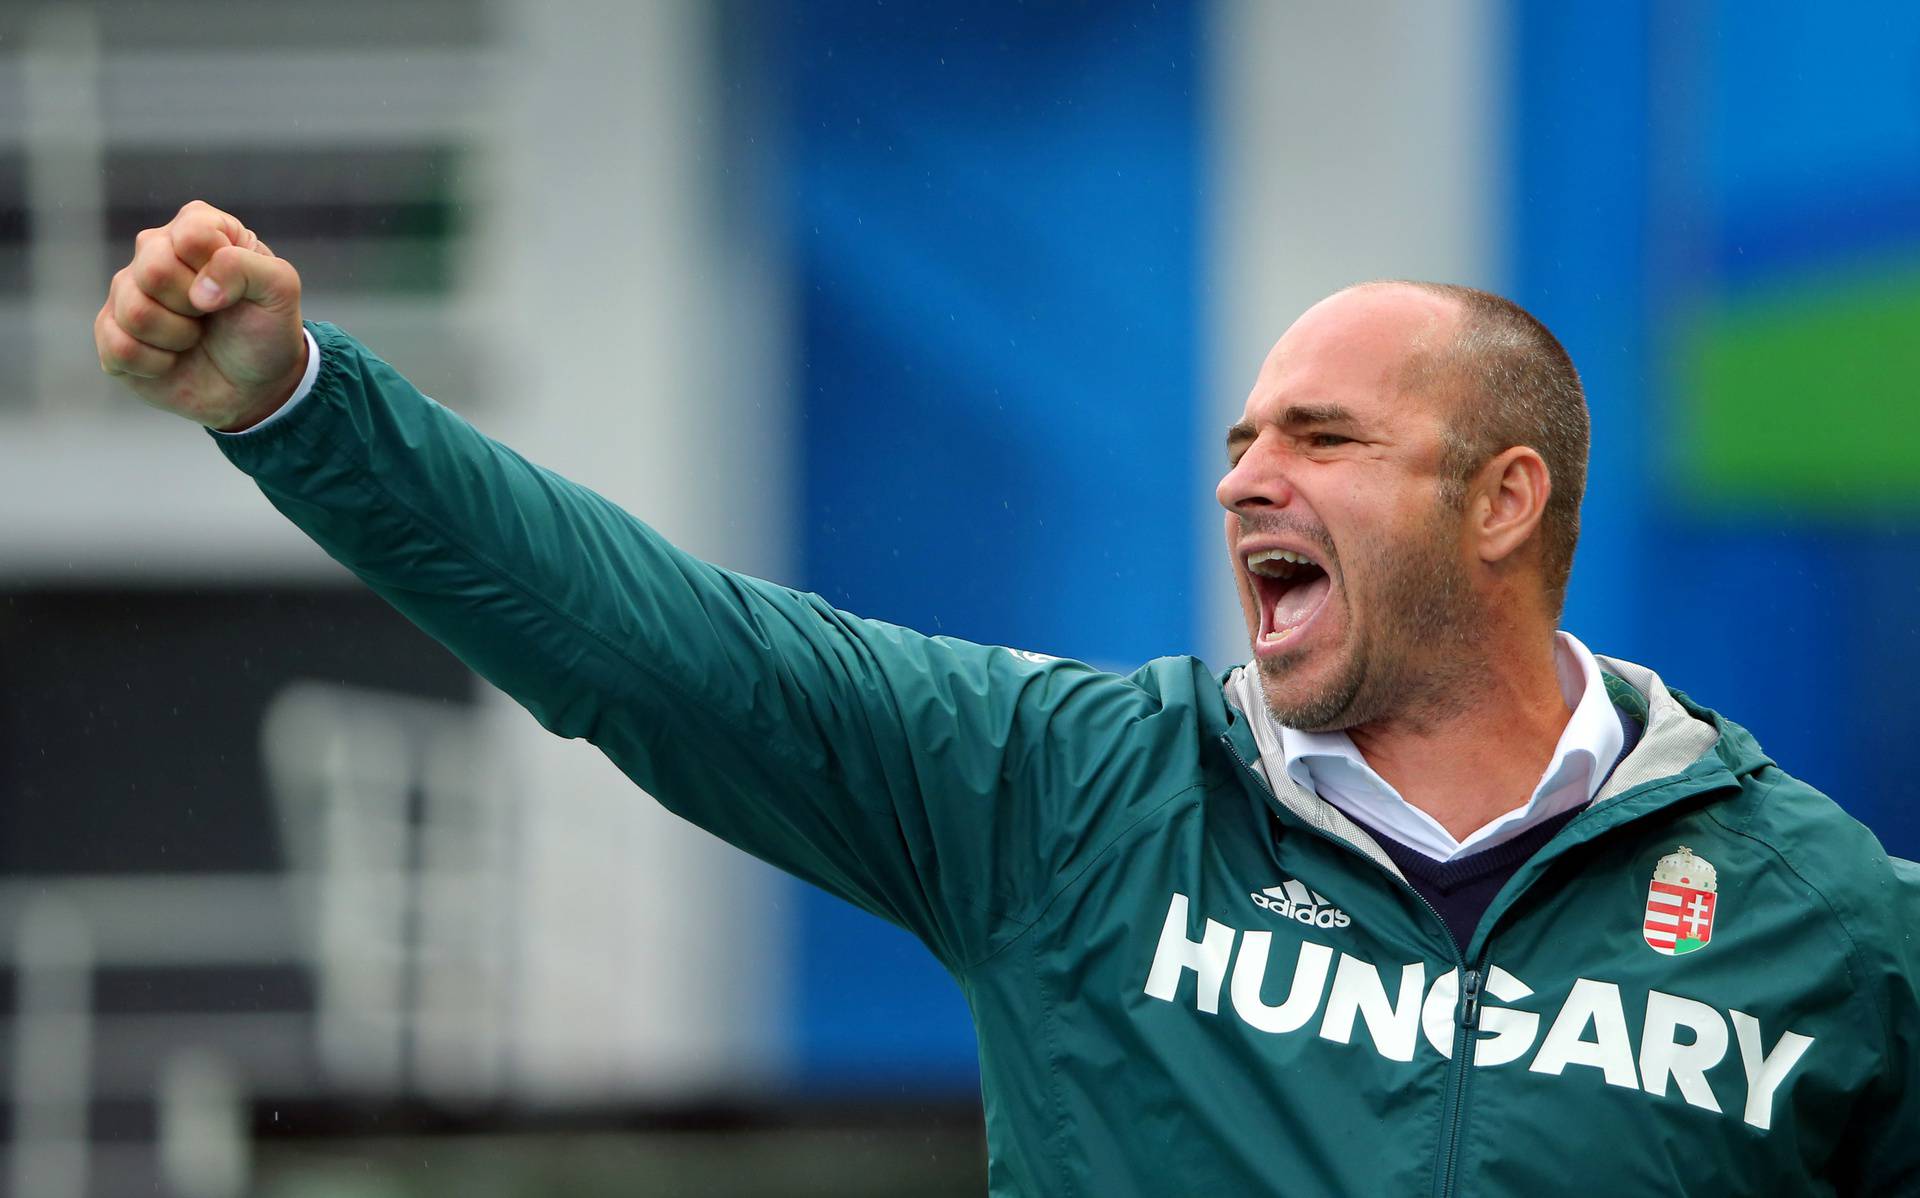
point(1427, 898)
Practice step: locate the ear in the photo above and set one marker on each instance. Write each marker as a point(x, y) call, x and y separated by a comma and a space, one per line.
point(1508, 502)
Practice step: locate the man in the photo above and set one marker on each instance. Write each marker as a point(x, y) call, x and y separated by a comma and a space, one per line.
point(1428, 900)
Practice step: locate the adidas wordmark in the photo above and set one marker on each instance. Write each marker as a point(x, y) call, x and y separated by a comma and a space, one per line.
point(1292, 900)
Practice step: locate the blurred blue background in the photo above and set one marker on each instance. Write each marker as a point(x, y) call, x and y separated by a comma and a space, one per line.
point(937, 310)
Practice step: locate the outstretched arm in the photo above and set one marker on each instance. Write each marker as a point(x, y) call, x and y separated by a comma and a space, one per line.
point(950, 787)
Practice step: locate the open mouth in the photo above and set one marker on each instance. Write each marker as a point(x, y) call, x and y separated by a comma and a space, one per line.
point(1291, 588)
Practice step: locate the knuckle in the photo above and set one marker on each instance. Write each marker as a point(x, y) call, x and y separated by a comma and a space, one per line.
point(196, 236)
point(138, 315)
point(118, 345)
point(151, 273)
point(128, 355)
point(221, 265)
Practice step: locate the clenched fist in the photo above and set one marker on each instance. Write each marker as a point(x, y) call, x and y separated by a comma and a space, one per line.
point(205, 322)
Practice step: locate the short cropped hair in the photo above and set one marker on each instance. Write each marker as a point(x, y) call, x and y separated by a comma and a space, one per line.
point(1514, 384)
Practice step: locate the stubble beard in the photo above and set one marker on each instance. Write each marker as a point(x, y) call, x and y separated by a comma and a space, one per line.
point(1406, 670)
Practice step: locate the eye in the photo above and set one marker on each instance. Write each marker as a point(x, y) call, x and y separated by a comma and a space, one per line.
point(1327, 440)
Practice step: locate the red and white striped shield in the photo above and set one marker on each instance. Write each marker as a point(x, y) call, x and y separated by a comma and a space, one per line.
point(1679, 917)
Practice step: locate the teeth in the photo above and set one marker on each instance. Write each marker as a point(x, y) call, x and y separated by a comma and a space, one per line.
point(1281, 635)
point(1277, 562)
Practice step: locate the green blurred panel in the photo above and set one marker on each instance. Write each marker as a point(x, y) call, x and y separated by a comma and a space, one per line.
point(1806, 395)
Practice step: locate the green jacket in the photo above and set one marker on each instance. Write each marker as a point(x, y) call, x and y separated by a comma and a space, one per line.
point(1183, 981)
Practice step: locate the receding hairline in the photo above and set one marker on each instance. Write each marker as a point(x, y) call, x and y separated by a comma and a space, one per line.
point(1435, 348)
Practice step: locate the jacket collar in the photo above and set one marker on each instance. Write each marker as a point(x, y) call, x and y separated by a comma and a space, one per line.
point(1682, 738)
point(1678, 733)
point(1256, 743)
point(1586, 751)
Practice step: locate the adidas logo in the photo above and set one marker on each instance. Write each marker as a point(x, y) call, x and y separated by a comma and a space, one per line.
point(1292, 900)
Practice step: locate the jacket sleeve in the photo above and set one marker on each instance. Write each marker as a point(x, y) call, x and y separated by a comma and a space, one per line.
point(1881, 1153)
point(949, 787)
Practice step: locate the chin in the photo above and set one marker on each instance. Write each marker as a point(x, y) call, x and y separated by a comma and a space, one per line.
point(1309, 700)
point(1282, 683)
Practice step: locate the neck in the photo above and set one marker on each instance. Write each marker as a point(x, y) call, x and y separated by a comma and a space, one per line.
point(1483, 755)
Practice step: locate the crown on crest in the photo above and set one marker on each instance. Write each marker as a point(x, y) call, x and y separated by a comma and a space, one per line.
point(1682, 868)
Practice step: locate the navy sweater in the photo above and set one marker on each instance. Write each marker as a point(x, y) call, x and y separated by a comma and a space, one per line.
point(1462, 889)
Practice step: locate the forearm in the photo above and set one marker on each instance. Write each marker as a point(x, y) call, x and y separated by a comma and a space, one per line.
point(546, 589)
point(756, 712)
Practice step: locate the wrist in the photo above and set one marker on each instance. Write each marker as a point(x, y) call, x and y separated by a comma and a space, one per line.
point(275, 397)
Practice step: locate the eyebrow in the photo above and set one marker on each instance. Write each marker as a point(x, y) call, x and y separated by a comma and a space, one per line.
point(1316, 413)
point(1295, 416)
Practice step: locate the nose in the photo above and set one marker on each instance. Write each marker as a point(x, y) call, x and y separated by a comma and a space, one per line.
point(1257, 481)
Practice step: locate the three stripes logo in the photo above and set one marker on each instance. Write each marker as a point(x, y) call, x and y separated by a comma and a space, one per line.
point(1680, 904)
point(1292, 900)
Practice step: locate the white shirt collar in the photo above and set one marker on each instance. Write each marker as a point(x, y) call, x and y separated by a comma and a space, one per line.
point(1328, 764)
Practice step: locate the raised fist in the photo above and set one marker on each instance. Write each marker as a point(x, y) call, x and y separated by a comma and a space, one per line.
point(204, 322)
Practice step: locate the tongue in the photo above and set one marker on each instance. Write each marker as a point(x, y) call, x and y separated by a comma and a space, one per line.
point(1299, 601)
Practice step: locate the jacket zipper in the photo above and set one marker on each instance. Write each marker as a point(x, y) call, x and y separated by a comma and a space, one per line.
point(1454, 1113)
point(1466, 1011)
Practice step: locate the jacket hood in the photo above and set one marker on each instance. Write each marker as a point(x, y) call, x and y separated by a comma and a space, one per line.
point(1678, 733)
point(1735, 746)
